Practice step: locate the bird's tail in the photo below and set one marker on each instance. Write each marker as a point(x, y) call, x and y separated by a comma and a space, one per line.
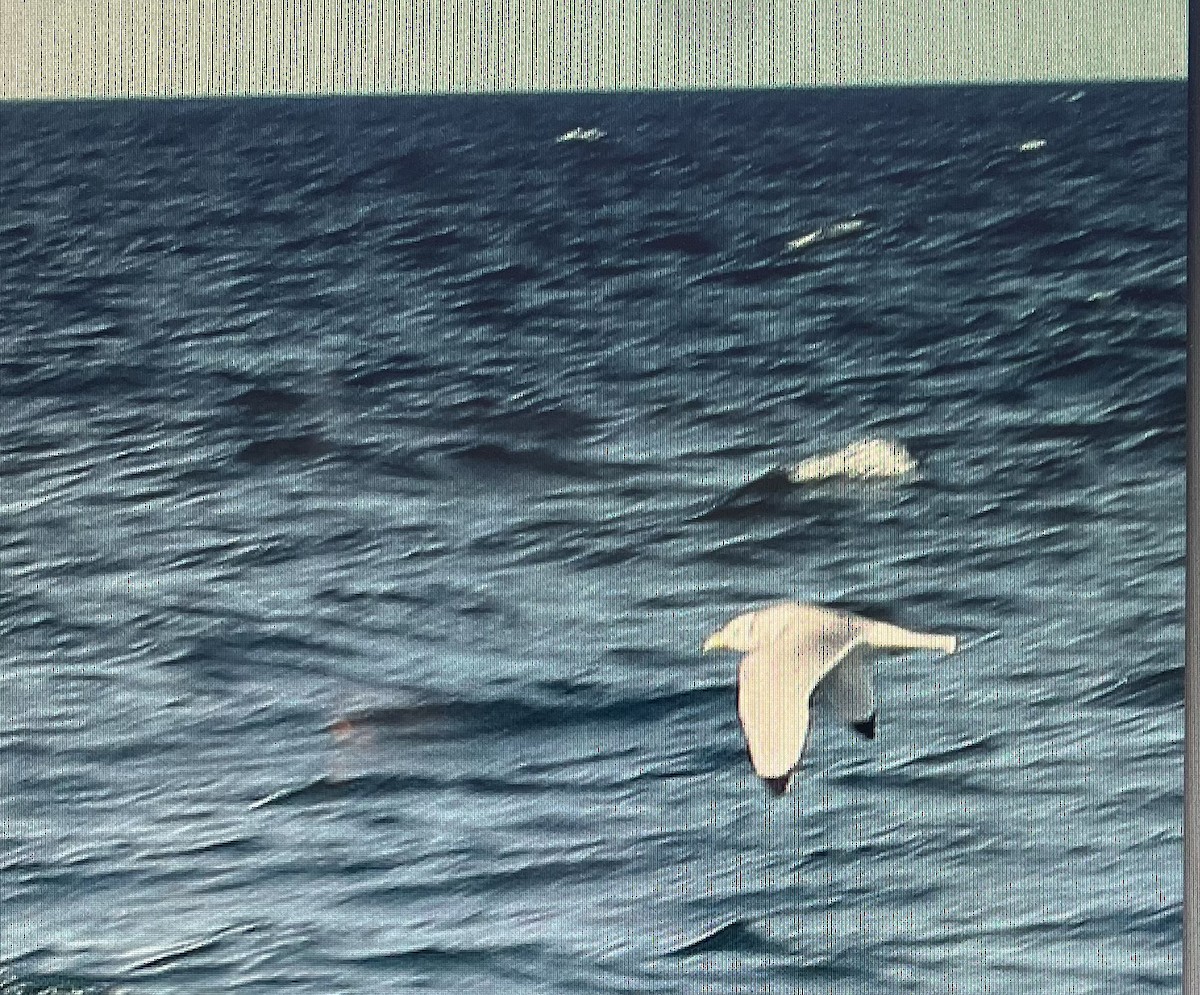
point(892, 637)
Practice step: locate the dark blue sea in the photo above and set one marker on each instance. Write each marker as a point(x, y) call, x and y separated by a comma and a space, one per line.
point(373, 470)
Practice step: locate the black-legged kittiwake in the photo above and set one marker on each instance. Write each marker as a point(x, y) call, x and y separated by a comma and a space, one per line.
point(867, 459)
point(791, 648)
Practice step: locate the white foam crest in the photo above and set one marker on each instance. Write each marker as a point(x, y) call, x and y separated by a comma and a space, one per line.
point(828, 233)
point(582, 135)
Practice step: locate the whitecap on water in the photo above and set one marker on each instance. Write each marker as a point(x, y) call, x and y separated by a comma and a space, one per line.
point(829, 233)
point(581, 135)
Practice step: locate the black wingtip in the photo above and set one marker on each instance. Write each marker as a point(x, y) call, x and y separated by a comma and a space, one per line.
point(866, 727)
point(777, 785)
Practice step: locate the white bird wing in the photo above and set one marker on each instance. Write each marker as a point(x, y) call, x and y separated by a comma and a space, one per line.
point(774, 687)
point(848, 687)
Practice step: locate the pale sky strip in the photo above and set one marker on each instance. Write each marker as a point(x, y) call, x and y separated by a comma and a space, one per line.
point(194, 47)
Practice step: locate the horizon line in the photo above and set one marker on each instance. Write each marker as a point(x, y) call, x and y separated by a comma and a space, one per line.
point(300, 94)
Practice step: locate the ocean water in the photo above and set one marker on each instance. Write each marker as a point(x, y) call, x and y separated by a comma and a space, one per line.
point(373, 470)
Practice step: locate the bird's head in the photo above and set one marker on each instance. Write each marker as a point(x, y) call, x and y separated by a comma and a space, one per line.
point(736, 635)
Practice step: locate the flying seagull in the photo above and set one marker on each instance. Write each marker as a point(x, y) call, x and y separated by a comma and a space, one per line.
point(791, 648)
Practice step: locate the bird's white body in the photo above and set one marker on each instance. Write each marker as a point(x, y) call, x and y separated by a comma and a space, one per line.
point(869, 459)
point(791, 648)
